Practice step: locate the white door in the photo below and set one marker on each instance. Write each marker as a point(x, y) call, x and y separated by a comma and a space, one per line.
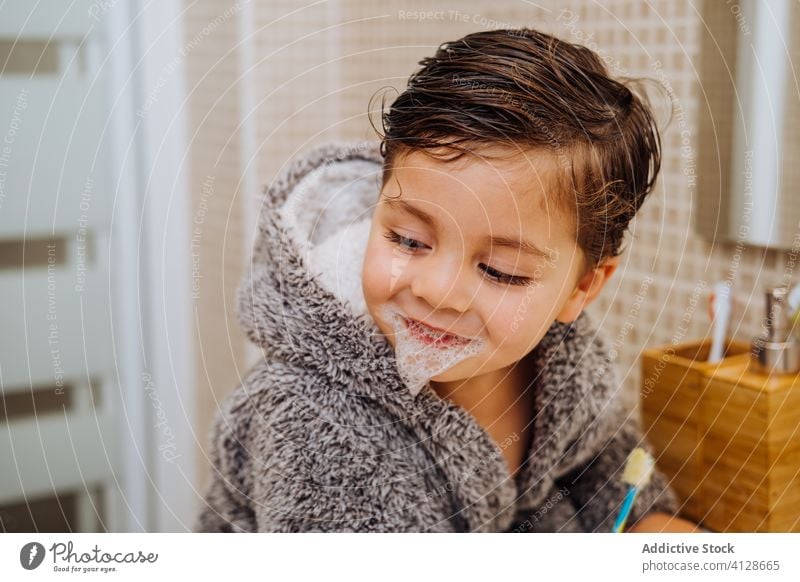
point(85, 371)
point(58, 446)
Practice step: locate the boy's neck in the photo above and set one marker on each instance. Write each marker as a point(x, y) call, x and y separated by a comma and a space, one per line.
point(502, 403)
point(490, 396)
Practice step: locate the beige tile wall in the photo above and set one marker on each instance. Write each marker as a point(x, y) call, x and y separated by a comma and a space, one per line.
point(210, 39)
point(317, 67)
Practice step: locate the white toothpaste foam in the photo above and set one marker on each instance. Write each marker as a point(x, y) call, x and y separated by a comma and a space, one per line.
point(417, 361)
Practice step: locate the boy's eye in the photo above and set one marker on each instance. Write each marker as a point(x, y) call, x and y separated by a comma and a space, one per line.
point(496, 275)
point(406, 243)
point(493, 274)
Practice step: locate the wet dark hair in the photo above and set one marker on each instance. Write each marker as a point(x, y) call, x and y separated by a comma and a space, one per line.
point(529, 90)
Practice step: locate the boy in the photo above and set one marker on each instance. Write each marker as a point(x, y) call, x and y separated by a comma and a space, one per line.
point(428, 363)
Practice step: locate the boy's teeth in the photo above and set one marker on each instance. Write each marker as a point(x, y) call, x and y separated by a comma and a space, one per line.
point(433, 333)
point(430, 331)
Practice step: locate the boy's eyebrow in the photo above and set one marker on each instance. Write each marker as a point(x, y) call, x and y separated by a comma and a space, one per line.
point(499, 241)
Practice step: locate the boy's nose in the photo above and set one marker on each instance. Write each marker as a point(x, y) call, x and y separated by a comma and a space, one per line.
point(442, 286)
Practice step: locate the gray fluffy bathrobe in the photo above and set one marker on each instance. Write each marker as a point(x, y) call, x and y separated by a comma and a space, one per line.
point(322, 434)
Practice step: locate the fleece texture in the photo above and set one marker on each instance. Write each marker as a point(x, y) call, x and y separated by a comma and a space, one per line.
point(322, 434)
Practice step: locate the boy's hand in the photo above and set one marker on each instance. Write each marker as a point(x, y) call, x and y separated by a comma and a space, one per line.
point(658, 522)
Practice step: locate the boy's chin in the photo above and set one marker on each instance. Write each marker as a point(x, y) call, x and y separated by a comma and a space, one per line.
point(455, 374)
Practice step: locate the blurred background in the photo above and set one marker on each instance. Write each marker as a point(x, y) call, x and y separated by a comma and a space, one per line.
point(136, 137)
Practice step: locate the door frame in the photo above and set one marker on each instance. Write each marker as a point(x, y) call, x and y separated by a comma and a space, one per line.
point(151, 264)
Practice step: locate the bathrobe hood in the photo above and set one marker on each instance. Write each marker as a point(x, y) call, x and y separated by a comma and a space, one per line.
point(301, 302)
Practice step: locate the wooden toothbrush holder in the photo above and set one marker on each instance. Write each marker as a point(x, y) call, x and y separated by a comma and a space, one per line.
point(727, 436)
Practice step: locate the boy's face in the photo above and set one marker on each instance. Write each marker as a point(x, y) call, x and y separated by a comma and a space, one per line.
point(445, 271)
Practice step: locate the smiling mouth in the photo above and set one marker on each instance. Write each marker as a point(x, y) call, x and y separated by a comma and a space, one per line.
point(433, 337)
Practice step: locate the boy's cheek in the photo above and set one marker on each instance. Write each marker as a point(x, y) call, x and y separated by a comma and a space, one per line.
point(385, 269)
point(535, 309)
point(376, 276)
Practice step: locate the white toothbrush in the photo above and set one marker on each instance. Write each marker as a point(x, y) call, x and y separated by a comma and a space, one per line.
point(793, 299)
point(722, 314)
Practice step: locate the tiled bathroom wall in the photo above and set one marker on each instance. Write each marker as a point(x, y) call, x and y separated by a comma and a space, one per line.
point(314, 69)
point(218, 248)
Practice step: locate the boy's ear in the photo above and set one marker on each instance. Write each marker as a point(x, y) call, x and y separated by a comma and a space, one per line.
point(587, 289)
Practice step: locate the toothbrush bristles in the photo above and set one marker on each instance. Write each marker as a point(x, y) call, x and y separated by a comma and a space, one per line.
point(638, 468)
